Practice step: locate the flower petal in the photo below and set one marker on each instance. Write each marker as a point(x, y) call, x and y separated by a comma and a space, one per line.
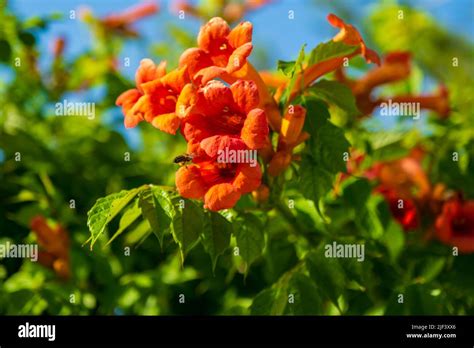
point(241, 34)
point(190, 183)
point(207, 74)
point(212, 32)
point(218, 143)
point(216, 97)
point(245, 94)
point(187, 100)
point(148, 71)
point(176, 79)
point(168, 123)
point(248, 178)
point(255, 130)
point(221, 196)
point(238, 58)
point(194, 59)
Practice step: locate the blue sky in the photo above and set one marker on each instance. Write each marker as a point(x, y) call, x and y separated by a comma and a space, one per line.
point(274, 33)
point(280, 37)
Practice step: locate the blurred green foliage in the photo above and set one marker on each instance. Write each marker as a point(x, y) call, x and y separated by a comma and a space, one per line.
point(66, 158)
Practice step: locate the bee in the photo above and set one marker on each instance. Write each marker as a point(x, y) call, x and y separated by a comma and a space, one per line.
point(183, 159)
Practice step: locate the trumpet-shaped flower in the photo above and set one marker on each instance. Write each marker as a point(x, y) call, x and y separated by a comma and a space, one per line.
point(220, 117)
point(220, 50)
point(220, 185)
point(455, 225)
point(154, 99)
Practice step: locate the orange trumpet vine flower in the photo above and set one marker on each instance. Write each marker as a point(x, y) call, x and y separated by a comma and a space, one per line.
point(220, 185)
point(438, 102)
point(220, 50)
point(223, 117)
point(154, 99)
point(351, 36)
point(121, 22)
point(403, 210)
point(455, 225)
point(348, 35)
point(55, 245)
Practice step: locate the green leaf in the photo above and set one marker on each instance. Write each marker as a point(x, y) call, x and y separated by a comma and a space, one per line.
point(292, 70)
point(306, 299)
point(327, 273)
point(186, 226)
point(336, 93)
point(216, 235)
point(156, 207)
point(5, 51)
point(287, 68)
point(330, 49)
point(356, 193)
point(106, 209)
point(328, 143)
point(138, 233)
point(27, 38)
point(394, 240)
point(315, 182)
point(129, 217)
point(250, 238)
point(263, 303)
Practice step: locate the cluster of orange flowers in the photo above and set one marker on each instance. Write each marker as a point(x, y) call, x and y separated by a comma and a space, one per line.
point(232, 113)
point(417, 203)
point(54, 244)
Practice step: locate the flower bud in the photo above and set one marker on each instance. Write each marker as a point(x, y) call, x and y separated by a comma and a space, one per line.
point(279, 163)
point(292, 123)
point(261, 194)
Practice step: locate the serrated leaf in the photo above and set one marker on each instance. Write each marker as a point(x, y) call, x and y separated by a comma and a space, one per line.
point(327, 273)
point(250, 238)
point(262, 304)
point(186, 226)
point(216, 235)
point(328, 143)
point(138, 233)
point(105, 209)
point(330, 49)
point(156, 208)
point(129, 217)
point(292, 70)
point(315, 182)
point(336, 93)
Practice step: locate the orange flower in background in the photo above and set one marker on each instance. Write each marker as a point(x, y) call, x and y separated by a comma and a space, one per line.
point(154, 99)
point(405, 176)
point(54, 243)
point(396, 66)
point(224, 117)
point(351, 36)
point(438, 102)
point(128, 100)
point(220, 50)
point(219, 185)
point(455, 225)
point(120, 22)
point(403, 210)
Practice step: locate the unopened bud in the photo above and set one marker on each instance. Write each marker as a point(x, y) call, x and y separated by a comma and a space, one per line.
point(261, 194)
point(292, 123)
